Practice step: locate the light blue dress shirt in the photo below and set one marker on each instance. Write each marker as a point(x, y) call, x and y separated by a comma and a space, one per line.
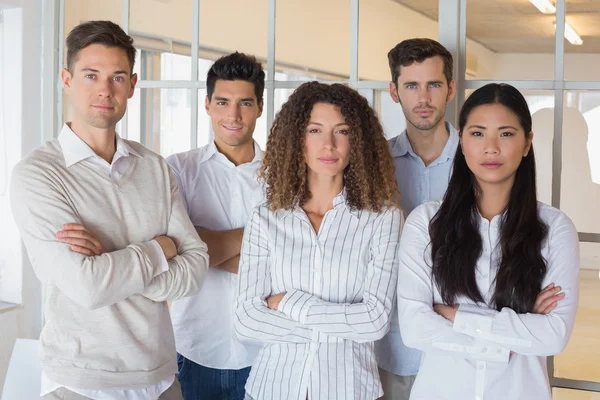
point(418, 183)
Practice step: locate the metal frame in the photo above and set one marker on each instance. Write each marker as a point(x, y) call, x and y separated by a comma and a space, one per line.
point(452, 33)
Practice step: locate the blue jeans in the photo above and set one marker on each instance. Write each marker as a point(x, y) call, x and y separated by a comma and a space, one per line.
point(203, 383)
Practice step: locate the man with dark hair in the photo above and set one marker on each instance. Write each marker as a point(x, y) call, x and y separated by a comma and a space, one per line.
point(422, 84)
point(219, 186)
point(107, 235)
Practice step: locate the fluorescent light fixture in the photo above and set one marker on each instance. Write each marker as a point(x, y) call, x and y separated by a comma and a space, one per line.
point(572, 36)
point(545, 6)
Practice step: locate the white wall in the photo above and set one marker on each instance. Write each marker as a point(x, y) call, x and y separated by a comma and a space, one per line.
point(25, 320)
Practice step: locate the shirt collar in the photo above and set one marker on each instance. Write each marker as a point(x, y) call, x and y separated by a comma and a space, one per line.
point(76, 150)
point(339, 202)
point(401, 145)
point(213, 151)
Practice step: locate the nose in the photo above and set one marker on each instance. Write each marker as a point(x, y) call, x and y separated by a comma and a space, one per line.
point(424, 95)
point(105, 88)
point(491, 145)
point(329, 141)
point(234, 112)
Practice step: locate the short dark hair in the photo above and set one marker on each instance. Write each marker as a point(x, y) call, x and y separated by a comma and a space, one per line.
point(237, 66)
point(418, 50)
point(106, 33)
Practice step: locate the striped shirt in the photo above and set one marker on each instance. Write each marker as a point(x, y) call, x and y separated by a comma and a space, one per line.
point(340, 291)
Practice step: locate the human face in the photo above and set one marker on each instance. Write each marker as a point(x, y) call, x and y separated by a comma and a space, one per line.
point(233, 110)
point(99, 86)
point(327, 141)
point(423, 92)
point(494, 144)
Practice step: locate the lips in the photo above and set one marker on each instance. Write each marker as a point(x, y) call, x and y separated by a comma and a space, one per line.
point(491, 165)
point(424, 112)
point(103, 107)
point(232, 128)
point(328, 160)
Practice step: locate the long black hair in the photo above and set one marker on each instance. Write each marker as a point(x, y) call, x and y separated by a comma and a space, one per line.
point(455, 240)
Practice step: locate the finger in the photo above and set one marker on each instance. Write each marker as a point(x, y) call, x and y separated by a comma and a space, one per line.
point(83, 243)
point(552, 300)
point(548, 309)
point(82, 250)
point(73, 227)
point(544, 295)
point(549, 286)
point(80, 235)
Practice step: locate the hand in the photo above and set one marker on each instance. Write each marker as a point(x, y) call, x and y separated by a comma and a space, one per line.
point(231, 265)
point(273, 301)
point(167, 245)
point(448, 312)
point(82, 240)
point(548, 299)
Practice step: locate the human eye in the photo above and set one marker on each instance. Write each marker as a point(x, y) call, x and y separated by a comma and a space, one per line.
point(476, 133)
point(507, 134)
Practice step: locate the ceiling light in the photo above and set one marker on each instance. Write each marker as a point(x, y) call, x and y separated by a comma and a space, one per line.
point(544, 6)
point(572, 36)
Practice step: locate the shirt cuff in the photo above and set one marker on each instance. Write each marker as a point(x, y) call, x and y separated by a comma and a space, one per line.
point(158, 254)
point(295, 304)
point(473, 321)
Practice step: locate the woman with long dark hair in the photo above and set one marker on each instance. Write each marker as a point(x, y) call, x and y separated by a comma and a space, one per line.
point(319, 260)
point(488, 279)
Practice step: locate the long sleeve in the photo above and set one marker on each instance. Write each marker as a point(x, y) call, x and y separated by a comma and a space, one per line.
point(420, 326)
point(186, 270)
point(253, 319)
point(365, 321)
point(534, 334)
point(40, 207)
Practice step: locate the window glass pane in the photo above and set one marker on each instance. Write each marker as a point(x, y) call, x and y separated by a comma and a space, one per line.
point(509, 40)
point(164, 120)
point(580, 188)
point(233, 25)
point(313, 38)
point(569, 394)
point(164, 29)
point(582, 18)
point(580, 359)
point(390, 114)
point(385, 23)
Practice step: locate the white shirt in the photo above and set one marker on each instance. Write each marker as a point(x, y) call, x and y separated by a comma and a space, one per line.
point(417, 183)
point(218, 196)
point(77, 151)
point(485, 354)
point(340, 286)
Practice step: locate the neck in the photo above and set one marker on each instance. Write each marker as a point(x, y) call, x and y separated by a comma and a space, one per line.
point(494, 199)
point(429, 144)
point(101, 141)
point(323, 190)
point(237, 154)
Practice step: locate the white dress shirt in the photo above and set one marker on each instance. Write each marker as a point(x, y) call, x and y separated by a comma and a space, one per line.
point(485, 354)
point(218, 196)
point(340, 289)
point(417, 183)
point(77, 151)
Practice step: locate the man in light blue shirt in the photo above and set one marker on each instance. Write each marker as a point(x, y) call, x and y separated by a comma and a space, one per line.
point(423, 155)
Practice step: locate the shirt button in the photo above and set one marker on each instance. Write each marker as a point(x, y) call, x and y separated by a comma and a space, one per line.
point(481, 367)
point(477, 397)
point(478, 331)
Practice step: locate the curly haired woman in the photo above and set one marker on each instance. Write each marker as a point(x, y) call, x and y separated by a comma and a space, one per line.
point(319, 259)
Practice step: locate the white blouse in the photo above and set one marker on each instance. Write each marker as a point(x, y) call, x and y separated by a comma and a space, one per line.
point(340, 286)
point(485, 354)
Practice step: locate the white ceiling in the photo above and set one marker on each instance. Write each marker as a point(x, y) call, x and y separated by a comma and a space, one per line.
point(516, 26)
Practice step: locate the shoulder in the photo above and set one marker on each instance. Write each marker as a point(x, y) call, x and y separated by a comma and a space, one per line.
point(40, 161)
point(189, 159)
point(556, 220)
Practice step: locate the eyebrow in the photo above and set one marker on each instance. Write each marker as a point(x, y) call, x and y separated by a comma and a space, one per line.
point(500, 127)
point(320, 124)
point(227, 99)
point(428, 82)
point(119, 72)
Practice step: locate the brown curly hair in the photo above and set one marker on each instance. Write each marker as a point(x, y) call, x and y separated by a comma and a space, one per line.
point(369, 177)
